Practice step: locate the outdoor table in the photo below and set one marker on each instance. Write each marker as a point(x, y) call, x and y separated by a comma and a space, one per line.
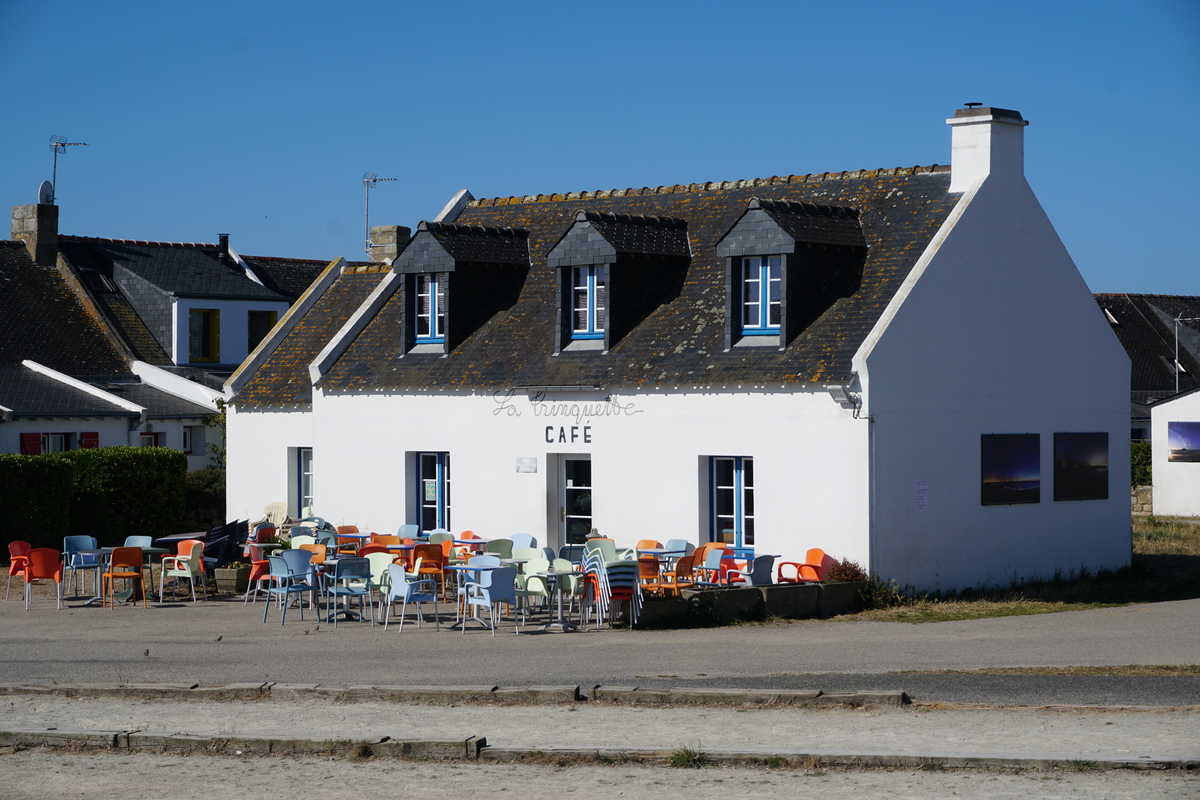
point(99, 553)
point(462, 569)
point(258, 548)
point(103, 554)
point(559, 623)
point(360, 536)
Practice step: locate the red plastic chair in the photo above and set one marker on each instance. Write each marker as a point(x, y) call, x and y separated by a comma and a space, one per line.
point(45, 563)
point(18, 557)
point(811, 570)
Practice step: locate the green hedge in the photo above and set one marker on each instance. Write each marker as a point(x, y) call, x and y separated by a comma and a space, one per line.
point(35, 501)
point(109, 493)
point(1140, 473)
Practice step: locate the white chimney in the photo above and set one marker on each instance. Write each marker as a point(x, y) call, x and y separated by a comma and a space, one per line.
point(985, 141)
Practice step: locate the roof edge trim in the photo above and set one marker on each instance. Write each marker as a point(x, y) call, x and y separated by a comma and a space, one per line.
point(175, 385)
point(342, 340)
point(283, 327)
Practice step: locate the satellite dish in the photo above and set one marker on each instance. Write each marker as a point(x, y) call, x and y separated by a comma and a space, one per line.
point(46, 193)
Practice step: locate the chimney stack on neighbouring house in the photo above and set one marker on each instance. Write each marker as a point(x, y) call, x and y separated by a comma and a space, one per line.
point(223, 248)
point(985, 141)
point(37, 226)
point(388, 241)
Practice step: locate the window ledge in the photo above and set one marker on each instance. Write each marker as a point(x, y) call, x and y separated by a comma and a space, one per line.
point(582, 345)
point(428, 347)
point(758, 341)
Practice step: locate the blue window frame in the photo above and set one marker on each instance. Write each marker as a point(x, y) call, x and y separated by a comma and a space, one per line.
point(761, 284)
point(430, 307)
point(433, 490)
point(588, 298)
point(732, 492)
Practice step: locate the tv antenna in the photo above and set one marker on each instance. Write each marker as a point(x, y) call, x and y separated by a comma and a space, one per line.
point(369, 181)
point(59, 144)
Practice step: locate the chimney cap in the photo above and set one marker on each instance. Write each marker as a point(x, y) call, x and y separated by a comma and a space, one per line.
point(974, 112)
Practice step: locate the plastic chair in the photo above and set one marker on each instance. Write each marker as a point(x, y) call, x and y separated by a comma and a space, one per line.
point(143, 542)
point(288, 573)
point(523, 540)
point(126, 564)
point(648, 544)
point(43, 563)
point(501, 548)
point(431, 563)
point(493, 587)
point(409, 531)
point(74, 561)
point(811, 570)
point(681, 577)
point(683, 545)
point(189, 564)
point(438, 536)
point(347, 544)
point(18, 557)
point(648, 573)
point(380, 574)
point(708, 563)
point(368, 549)
point(572, 552)
point(530, 584)
point(383, 538)
point(354, 575)
point(301, 539)
point(759, 573)
point(408, 588)
point(319, 554)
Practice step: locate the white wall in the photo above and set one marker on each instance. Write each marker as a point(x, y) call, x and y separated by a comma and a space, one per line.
point(995, 332)
point(260, 466)
point(1176, 483)
point(113, 431)
point(233, 321)
point(810, 463)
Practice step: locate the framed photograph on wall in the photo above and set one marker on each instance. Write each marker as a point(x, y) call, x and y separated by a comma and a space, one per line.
point(1010, 468)
point(1183, 441)
point(1081, 466)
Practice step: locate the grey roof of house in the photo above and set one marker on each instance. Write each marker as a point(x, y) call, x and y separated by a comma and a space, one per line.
point(1146, 329)
point(289, 277)
point(681, 342)
point(158, 404)
point(31, 394)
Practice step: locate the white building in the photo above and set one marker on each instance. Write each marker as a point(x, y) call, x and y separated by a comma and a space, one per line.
point(902, 367)
point(1175, 454)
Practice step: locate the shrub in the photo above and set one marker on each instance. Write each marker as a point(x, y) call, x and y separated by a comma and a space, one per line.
point(35, 502)
point(204, 499)
point(1140, 473)
point(121, 491)
point(879, 593)
point(844, 571)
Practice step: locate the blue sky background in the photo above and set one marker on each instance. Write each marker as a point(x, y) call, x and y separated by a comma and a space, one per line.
point(259, 120)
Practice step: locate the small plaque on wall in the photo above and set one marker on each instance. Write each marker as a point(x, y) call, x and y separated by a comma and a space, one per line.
point(526, 464)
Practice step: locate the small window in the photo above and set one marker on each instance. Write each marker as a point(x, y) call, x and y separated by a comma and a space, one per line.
point(732, 491)
point(588, 298)
point(1174, 365)
point(204, 334)
point(430, 307)
point(258, 325)
point(304, 482)
point(761, 290)
point(433, 490)
point(56, 442)
point(187, 440)
point(148, 439)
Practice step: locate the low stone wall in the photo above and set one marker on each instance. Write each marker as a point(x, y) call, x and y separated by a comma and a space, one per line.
point(1141, 500)
point(700, 607)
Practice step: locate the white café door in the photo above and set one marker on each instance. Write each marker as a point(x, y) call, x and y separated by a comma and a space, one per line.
point(574, 498)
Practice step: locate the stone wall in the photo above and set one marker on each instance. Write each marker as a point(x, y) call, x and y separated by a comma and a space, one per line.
point(1141, 500)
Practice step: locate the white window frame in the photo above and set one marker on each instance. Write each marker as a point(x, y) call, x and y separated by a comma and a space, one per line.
point(589, 297)
point(429, 287)
point(757, 304)
point(432, 488)
point(739, 518)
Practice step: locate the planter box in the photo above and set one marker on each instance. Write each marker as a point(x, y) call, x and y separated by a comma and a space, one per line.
point(725, 605)
point(233, 581)
point(791, 600)
point(839, 598)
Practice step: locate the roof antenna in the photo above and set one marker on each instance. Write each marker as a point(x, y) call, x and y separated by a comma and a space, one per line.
point(59, 144)
point(369, 181)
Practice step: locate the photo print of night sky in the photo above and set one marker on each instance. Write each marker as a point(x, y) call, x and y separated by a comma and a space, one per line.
point(1183, 441)
point(1081, 466)
point(1010, 468)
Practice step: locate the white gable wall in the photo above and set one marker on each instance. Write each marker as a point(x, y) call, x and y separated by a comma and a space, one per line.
point(1176, 483)
point(994, 332)
point(261, 459)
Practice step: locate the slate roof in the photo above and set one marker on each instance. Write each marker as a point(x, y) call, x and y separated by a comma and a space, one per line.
point(479, 244)
point(682, 341)
point(124, 320)
point(46, 323)
point(179, 268)
point(286, 276)
point(1146, 330)
point(31, 394)
point(818, 224)
point(286, 381)
point(638, 233)
point(158, 404)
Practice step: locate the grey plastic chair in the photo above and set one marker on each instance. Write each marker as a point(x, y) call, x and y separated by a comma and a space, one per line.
point(289, 573)
point(493, 587)
point(759, 574)
point(408, 589)
point(355, 576)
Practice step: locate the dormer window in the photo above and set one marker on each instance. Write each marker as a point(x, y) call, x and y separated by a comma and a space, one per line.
point(588, 295)
point(761, 294)
point(429, 312)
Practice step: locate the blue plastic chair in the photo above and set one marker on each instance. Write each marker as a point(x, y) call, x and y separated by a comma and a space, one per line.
point(680, 544)
point(493, 587)
point(354, 577)
point(572, 552)
point(409, 588)
point(289, 574)
point(759, 574)
point(523, 540)
point(74, 561)
point(409, 532)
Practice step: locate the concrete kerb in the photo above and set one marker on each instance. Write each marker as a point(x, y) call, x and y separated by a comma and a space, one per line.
point(464, 695)
point(476, 748)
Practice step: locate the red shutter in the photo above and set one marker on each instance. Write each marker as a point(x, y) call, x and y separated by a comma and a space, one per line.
point(89, 441)
point(31, 444)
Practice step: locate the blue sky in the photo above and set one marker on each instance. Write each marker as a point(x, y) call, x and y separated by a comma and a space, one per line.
point(259, 120)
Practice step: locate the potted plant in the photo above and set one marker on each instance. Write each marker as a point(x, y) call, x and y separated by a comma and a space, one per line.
point(234, 577)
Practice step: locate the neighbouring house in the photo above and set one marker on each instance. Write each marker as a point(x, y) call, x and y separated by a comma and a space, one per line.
point(900, 366)
point(1175, 454)
point(1146, 325)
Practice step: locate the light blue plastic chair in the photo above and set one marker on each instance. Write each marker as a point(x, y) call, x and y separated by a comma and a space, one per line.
point(410, 588)
point(349, 578)
point(493, 587)
point(74, 561)
point(523, 540)
point(143, 542)
point(409, 532)
point(289, 573)
point(680, 544)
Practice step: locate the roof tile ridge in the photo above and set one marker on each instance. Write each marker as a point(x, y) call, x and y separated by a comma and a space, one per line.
point(710, 186)
point(477, 230)
point(285, 258)
point(648, 220)
point(799, 206)
point(138, 242)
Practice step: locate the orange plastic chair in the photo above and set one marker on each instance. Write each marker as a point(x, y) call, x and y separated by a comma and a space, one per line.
point(682, 577)
point(811, 570)
point(701, 554)
point(648, 573)
point(432, 563)
point(318, 550)
point(648, 544)
point(347, 544)
point(18, 557)
point(126, 564)
point(381, 538)
point(366, 550)
point(45, 563)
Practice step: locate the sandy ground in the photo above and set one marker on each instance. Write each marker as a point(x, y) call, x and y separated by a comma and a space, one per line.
point(40, 774)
